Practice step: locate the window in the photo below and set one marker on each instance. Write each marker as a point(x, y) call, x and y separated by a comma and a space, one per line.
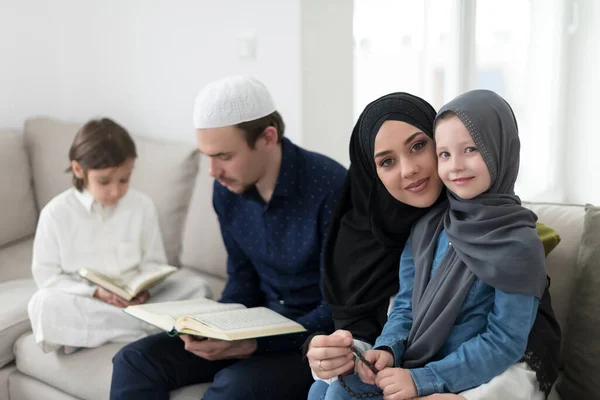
point(438, 49)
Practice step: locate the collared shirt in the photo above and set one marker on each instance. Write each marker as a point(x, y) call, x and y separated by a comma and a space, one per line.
point(489, 335)
point(274, 249)
point(75, 232)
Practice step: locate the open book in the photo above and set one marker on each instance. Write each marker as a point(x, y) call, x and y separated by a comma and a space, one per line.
point(131, 283)
point(208, 318)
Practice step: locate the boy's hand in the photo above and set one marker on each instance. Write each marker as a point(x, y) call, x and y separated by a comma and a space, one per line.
point(140, 298)
point(396, 383)
point(380, 359)
point(110, 298)
point(114, 300)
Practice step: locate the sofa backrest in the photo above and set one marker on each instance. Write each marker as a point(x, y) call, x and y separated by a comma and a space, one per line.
point(166, 171)
point(18, 214)
point(562, 262)
point(203, 247)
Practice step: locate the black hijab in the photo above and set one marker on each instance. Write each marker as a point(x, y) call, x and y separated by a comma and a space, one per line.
point(370, 227)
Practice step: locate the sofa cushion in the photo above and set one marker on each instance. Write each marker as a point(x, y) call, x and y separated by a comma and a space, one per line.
point(25, 387)
point(19, 214)
point(48, 142)
point(582, 344)
point(192, 392)
point(203, 247)
point(167, 172)
point(164, 171)
point(554, 393)
point(15, 260)
point(14, 321)
point(5, 372)
point(567, 221)
point(85, 374)
point(550, 239)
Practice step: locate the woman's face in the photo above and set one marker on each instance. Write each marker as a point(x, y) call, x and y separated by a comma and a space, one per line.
point(407, 164)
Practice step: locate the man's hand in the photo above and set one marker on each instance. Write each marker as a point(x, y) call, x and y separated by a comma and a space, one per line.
point(380, 359)
point(330, 355)
point(396, 383)
point(114, 300)
point(214, 349)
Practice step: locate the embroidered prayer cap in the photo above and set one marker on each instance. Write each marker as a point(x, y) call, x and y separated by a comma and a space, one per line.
point(230, 101)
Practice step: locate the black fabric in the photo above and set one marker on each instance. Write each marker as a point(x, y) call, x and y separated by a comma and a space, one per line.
point(543, 345)
point(369, 228)
point(152, 367)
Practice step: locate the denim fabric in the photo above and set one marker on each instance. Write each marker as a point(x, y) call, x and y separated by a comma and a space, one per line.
point(490, 333)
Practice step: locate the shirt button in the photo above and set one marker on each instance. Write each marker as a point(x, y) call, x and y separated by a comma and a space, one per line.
point(281, 302)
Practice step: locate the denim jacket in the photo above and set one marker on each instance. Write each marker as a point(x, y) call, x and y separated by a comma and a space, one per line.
point(490, 333)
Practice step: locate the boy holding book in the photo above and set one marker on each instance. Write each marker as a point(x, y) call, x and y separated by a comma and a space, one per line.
point(102, 225)
point(274, 201)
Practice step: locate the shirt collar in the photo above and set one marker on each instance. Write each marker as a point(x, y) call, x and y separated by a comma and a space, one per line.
point(287, 181)
point(86, 199)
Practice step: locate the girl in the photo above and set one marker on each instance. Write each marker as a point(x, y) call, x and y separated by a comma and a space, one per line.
point(101, 224)
point(393, 163)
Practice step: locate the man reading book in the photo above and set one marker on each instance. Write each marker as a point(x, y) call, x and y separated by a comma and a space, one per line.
point(274, 201)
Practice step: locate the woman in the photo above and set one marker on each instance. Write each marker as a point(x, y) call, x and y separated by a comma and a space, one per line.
point(373, 220)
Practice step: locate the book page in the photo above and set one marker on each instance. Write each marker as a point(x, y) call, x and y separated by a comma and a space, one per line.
point(110, 284)
point(244, 319)
point(139, 279)
point(177, 309)
point(164, 315)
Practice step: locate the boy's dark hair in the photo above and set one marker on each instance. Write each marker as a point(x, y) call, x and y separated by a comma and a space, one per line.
point(99, 144)
point(253, 129)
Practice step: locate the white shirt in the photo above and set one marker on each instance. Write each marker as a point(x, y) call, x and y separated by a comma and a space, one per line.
point(74, 231)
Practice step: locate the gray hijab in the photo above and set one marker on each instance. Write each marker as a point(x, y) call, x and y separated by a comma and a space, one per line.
point(493, 238)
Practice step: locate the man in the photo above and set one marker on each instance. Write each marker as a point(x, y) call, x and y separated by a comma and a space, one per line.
point(274, 201)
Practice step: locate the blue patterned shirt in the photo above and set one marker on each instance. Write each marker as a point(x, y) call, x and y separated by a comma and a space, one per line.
point(274, 249)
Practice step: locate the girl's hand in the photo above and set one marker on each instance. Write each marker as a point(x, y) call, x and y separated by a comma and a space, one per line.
point(380, 359)
point(330, 355)
point(396, 383)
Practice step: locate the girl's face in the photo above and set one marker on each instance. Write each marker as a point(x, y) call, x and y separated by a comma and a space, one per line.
point(406, 164)
point(460, 165)
point(107, 185)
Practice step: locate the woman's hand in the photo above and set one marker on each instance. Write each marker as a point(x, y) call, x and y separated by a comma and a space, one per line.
point(330, 355)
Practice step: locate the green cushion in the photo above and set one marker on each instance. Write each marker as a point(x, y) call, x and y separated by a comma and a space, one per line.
point(549, 237)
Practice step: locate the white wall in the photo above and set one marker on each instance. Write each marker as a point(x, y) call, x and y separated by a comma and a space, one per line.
point(28, 65)
point(142, 61)
point(327, 76)
point(581, 171)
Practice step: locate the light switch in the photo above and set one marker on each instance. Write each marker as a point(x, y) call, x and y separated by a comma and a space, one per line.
point(247, 46)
